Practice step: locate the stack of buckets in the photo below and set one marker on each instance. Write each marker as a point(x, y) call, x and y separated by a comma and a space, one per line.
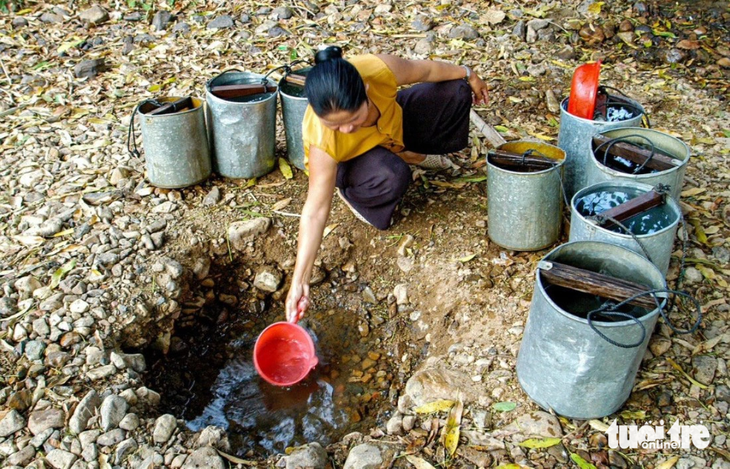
point(234, 137)
point(564, 365)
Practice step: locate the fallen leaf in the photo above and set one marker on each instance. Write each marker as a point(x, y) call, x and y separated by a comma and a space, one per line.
point(61, 272)
point(595, 8)
point(598, 425)
point(540, 443)
point(466, 259)
point(504, 406)
point(285, 168)
point(669, 463)
point(633, 415)
point(280, 204)
point(29, 240)
point(236, 460)
point(582, 463)
point(679, 368)
point(442, 405)
point(419, 463)
point(452, 429)
point(329, 229)
point(693, 191)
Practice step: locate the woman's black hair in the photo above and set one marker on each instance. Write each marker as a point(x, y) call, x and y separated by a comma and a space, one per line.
point(334, 84)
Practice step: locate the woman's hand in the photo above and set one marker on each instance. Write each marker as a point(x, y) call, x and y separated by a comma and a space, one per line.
point(479, 88)
point(297, 302)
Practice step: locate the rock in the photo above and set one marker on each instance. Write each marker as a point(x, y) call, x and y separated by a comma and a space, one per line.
point(41, 420)
point(311, 456)
point(535, 424)
point(722, 393)
point(135, 361)
point(268, 279)
point(89, 68)
point(422, 23)
point(22, 457)
point(409, 421)
point(368, 296)
point(704, 368)
point(659, 346)
point(8, 306)
point(84, 411)
point(463, 31)
point(438, 382)
point(113, 409)
point(94, 15)
point(204, 458)
point(364, 456)
point(124, 449)
point(181, 28)
point(538, 24)
point(34, 349)
point(101, 372)
point(111, 437)
point(164, 426)
point(566, 53)
point(724, 62)
point(129, 423)
point(673, 56)
point(494, 16)
point(239, 233)
point(394, 426)
point(19, 22)
point(519, 30)
point(161, 20)
point(79, 306)
point(28, 284)
point(692, 276)
point(11, 423)
point(60, 459)
point(212, 197)
point(423, 47)
point(49, 17)
point(222, 22)
point(148, 395)
point(552, 102)
point(212, 436)
point(282, 13)
point(20, 401)
point(627, 37)
point(592, 35)
point(401, 294)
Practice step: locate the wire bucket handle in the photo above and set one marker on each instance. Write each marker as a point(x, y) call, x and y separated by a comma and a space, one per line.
point(610, 309)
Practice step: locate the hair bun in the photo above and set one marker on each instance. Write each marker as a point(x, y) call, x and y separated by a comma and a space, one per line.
point(328, 53)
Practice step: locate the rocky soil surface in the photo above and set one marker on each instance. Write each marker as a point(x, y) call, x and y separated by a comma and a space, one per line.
point(99, 270)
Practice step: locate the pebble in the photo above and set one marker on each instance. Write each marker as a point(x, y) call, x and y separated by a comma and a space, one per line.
point(39, 421)
point(212, 197)
point(240, 233)
point(268, 279)
point(84, 411)
point(113, 409)
point(34, 349)
point(311, 455)
point(164, 426)
point(60, 459)
point(111, 437)
point(130, 422)
point(365, 456)
point(204, 458)
point(21, 457)
point(401, 294)
point(11, 423)
point(704, 368)
point(394, 426)
point(692, 276)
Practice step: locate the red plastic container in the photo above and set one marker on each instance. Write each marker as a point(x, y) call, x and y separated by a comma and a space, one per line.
point(284, 354)
point(583, 90)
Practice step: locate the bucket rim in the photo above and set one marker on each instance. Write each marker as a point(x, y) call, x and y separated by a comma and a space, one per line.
point(309, 343)
point(571, 316)
point(200, 107)
point(216, 99)
point(633, 185)
point(564, 110)
point(640, 130)
point(526, 174)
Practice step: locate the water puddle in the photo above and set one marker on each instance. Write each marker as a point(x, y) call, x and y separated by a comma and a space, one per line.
point(210, 366)
point(648, 222)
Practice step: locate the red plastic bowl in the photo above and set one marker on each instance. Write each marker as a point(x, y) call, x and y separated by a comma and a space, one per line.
point(583, 90)
point(284, 354)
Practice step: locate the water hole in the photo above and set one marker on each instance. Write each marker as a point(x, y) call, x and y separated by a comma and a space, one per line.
point(208, 376)
point(648, 222)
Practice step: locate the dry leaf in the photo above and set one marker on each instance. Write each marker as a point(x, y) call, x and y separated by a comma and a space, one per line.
point(285, 168)
point(452, 429)
point(669, 463)
point(419, 463)
point(441, 405)
point(280, 204)
point(598, 425)
point(329, 229)
point(540, 442)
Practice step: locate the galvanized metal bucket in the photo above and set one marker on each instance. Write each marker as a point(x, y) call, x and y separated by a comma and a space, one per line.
point(293, 106)
point(596, 171)
point(175, 145)
point(657, 245)
point(564, 365)
point(525, 208)
point(243, 132)
point(574, 135)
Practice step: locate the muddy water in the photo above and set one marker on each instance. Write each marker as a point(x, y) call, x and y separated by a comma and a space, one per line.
point(210, 366)
point(644, 223)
